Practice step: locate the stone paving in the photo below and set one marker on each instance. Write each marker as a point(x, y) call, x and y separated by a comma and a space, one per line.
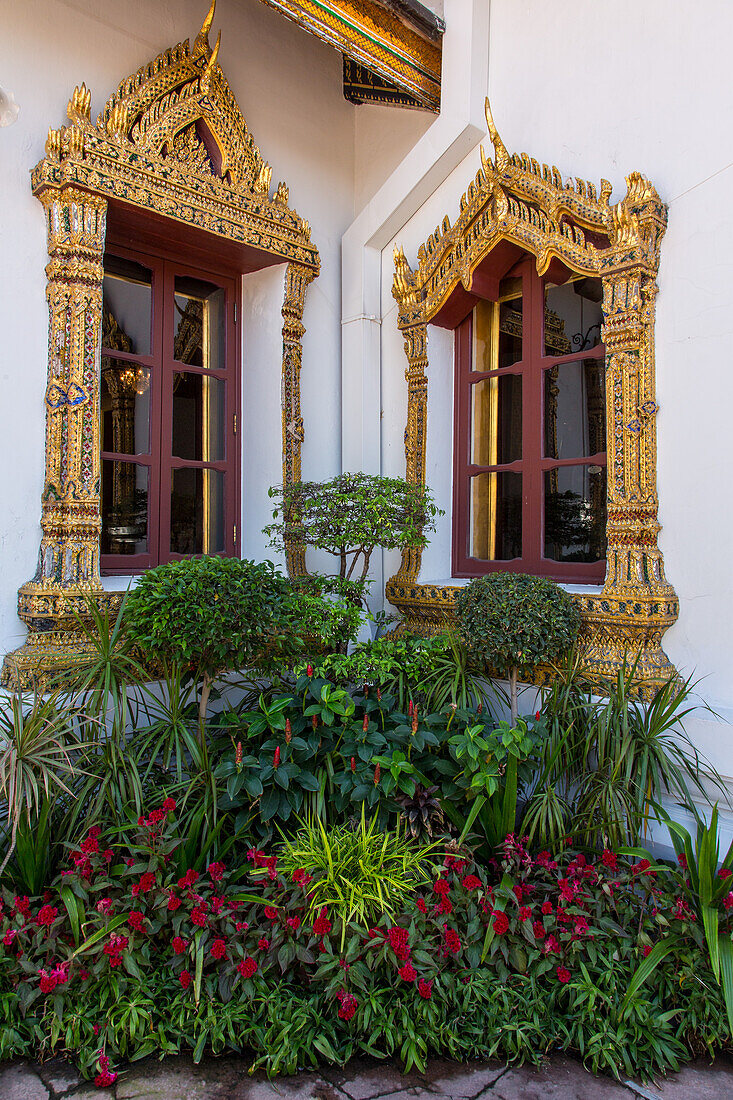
point(227, 1079)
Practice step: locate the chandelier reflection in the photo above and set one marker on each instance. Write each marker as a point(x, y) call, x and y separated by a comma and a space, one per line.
point(135, 380)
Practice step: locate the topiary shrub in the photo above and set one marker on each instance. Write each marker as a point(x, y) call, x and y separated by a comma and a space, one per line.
point(514, 621)
point(212, 613)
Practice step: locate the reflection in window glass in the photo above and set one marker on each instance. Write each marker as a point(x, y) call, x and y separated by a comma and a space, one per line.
point(198, 323)
point(573, 316)
point(128, 299)
point(124, 508)
point(197, 511)
point(575, 513)
point(496, 420)
point(125, 407)
point(495, 524)
point(198, 417)
point(575, 409)
point(497, 329)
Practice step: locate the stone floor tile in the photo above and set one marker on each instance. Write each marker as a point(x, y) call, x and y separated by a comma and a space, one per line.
point(19, 1082)
point(561, 1079)
point(363, 1080)
point(59, 1075)
point(701, 1080)
point(178, 1079)
point(454, 1080)
point(304, 1086)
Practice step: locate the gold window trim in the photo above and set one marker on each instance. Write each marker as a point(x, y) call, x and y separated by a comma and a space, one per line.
point(145, 151)
point(515, 199)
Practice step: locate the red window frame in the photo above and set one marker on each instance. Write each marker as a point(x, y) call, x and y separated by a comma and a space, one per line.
point(165, 265)
point(533, 464)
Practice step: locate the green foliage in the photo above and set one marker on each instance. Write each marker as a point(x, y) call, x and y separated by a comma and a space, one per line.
point(350, 515)
point(358, 872)
point(513, 621)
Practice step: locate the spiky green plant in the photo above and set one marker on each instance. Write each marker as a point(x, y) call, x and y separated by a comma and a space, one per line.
point(358, 871)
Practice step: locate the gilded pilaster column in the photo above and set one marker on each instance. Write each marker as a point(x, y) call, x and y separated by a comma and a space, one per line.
point(68, 560)
point(416, 350)
point(297, 279)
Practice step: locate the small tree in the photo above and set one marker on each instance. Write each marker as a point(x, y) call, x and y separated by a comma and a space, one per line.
point(513, 621)
point(215, 614)
point(350, 515)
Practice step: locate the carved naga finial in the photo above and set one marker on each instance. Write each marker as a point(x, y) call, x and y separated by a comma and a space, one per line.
point(210, 65)
point(80, 105)
point(501, 154)
point(403, 284)
point(201, 45)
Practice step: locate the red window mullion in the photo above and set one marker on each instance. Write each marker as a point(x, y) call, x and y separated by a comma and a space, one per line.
point(533, 295)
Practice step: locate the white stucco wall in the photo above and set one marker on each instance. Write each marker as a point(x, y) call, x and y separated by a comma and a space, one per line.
point(599, 90)
point(290, 90)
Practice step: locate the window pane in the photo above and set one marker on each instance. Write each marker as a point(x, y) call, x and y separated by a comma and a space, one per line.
point(575, 513)
point(495, 522)
point(199, 323)
point(497, 329)
point(198, 417)
point(197, 511)
point(573, 316)
point(496, 419)
point(128, 299)
point(125, 407)
point(575, 409)
point(124, 507)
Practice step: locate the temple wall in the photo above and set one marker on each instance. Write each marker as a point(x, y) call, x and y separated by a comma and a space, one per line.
point(289, 88)
point(600, 90)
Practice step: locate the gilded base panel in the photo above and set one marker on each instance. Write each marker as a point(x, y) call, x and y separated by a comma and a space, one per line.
point(613, 631)
point(43, 658)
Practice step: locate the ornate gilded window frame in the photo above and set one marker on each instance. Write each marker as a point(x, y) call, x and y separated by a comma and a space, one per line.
point(515, 199)
point(139, 153)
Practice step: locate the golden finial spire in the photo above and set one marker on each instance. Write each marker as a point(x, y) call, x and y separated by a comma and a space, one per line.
point(501, 155)
point(211, 64)
point(201, 45)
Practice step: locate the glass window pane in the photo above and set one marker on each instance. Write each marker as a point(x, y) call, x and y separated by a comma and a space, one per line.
point(495, 521)
point(573, 316)
point(198, 417)
point(198, 323)
point(197, 511)
point(575, 513)
point(128, 301)
point(124, 508)
point(125, 407)
point(497, 329)
point(575, 409)
point(496, 419)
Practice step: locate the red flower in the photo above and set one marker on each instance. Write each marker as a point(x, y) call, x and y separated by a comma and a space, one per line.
point(377, 777)
point(146, 883)
point(179, 945)
point(90, 845)
point(399, 942)
point(452, 940)
point(301, 877)
point(365, 724)
point(46, 915)
point(552, 947)
point(563, 975)
point(247, 967)
point(218, 949)
point(682, 860)
point(501, 922)
point(640, 867)
point(445, 906)
point(472, 882)
point(293, 923)
point(537, 715)
point(288, 731)
point(169, 805)
point(136, 920)
point(48, 981)
point(547, 908)
point(9, 936)
point(728, 901)
point(407, 972)
point(422, 905)
point(724, 873)
point(609, 859)
point(539, 930)
point(525, 912)
point(105, 906)
point(198, 917)
point(276, 757)
point(216, 871)
point(309, 670)
point(242, 925)
point(107, 855)
point(322, 925)
point(348, 1004)
point(581, 925)
point(105, 1079)
point(353, 764)
point(270, 912)
point(22, 905)
point(442, 886)
point(425, 988)
point(173, 902)
point(185, 979)
point(263, 944)
point(646, 950)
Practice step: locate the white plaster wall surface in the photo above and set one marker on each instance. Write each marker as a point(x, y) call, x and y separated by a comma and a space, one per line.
point(600, 90)
point(289, 88)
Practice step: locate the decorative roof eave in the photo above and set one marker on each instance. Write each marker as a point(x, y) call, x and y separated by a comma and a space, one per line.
point(375, 38)
point(516, 199)
point(131, 154)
